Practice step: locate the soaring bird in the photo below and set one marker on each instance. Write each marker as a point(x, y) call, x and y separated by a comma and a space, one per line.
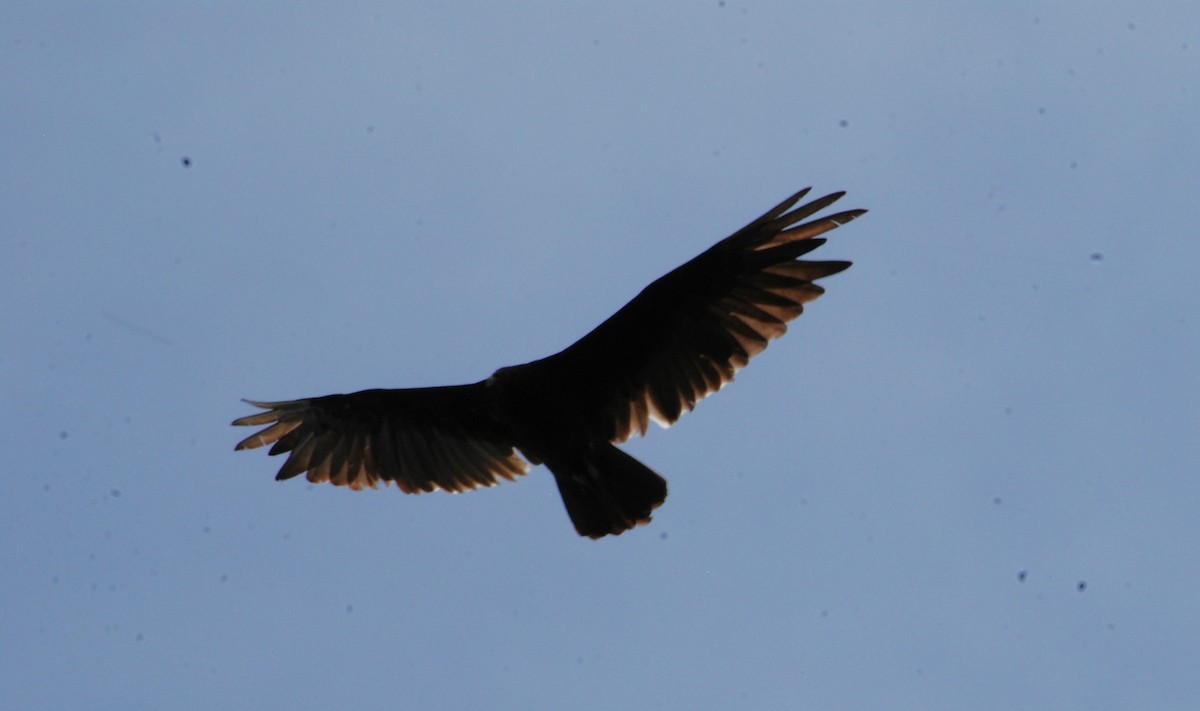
point(682, 338)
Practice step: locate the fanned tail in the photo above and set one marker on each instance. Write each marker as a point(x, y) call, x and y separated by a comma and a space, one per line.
point(608, 491)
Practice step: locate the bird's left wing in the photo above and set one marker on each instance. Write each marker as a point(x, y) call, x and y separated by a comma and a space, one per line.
point(422, 439)
point(684, 336)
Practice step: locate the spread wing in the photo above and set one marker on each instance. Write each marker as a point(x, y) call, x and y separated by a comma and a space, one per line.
point(422, 439)
point(687, 334)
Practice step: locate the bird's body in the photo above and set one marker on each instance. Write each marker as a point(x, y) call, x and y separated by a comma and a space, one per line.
point(682, 338)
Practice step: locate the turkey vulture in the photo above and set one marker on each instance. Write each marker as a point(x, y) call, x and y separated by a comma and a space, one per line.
point(682, 338)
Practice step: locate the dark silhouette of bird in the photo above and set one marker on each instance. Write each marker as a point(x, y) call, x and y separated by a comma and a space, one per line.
point(682, 338)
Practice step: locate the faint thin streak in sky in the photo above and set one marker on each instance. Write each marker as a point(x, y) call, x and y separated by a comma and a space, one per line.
point(139, 330)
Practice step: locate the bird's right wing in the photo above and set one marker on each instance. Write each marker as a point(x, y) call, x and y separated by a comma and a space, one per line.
point(422, 439)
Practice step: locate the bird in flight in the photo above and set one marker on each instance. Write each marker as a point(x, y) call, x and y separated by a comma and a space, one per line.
point(682, 338)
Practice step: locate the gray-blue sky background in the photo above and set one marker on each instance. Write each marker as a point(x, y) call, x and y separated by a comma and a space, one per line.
point(380, 196)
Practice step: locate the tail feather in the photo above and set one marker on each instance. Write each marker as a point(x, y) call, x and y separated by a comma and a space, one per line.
point(607, 491)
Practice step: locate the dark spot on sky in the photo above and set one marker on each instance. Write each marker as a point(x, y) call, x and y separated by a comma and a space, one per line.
point(1081, 586)
point(997, 501)
point(662, 536)
point(843, 123)
point(1096, 257)
point(1022, 575)
point(349, 609)
point(1042, 110)
point(62, 434)
point(115, 493)
point(187, 162)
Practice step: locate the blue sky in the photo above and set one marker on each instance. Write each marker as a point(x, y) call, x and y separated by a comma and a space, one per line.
point(966, 478)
